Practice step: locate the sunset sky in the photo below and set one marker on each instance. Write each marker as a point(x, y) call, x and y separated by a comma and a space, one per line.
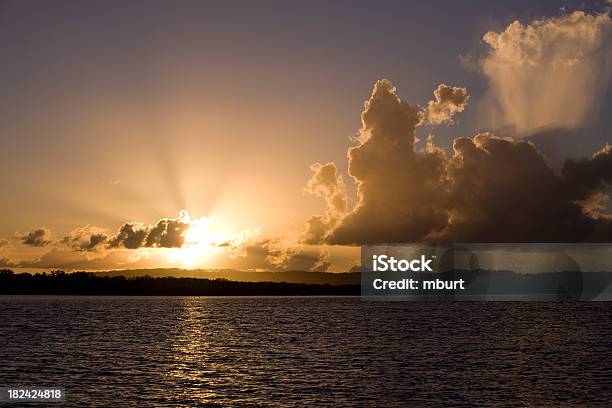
point(242, 126)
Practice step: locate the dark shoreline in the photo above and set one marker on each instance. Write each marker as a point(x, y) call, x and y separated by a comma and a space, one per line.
point(480, 284)
point(85, 283)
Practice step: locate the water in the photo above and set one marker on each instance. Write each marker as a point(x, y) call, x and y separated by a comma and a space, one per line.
point(173, 351)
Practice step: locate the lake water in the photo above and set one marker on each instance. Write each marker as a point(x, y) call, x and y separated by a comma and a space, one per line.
point(187, 351)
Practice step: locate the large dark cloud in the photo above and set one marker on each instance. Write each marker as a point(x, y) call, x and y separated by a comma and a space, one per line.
point(590, 174)
point(394, 184)
point(39, 237)
point(490, 189)
point(503, 190)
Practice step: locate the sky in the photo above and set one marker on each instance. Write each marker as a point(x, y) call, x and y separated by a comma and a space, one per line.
point(242, 127)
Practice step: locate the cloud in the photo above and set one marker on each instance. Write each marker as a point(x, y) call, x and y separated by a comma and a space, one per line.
point(87, 238)
point(326, 183)
point(273, 254)
point(255, 250)
point(166, 233)
point(62, 258)
point(395, 186)
point(549, 73)
point(490, 189)
point(448, 101)
point(173, 240)
point(131, 235)
point(502, 190)
point(283, 252)
point(7, 263)
point(590, 174)
point(323, 263)
point(39, 237)
point(5, 244)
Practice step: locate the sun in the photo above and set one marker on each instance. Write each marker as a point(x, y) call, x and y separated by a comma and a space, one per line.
point(203, 237)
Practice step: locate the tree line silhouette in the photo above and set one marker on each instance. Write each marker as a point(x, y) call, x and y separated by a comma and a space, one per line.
point(86, 283)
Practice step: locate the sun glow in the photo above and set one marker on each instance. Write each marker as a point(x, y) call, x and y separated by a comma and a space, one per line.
point(203, 237)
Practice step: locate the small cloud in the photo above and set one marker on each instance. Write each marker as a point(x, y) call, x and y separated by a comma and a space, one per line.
point(87, 238)
point(356, 267)
point(5, 244)
point(7, 263)
point(470, 63)
point(39, 237)
point(322, 264)
point(448, 101)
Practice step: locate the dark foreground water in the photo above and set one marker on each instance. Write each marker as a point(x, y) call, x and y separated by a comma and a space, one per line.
point(172, 351)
